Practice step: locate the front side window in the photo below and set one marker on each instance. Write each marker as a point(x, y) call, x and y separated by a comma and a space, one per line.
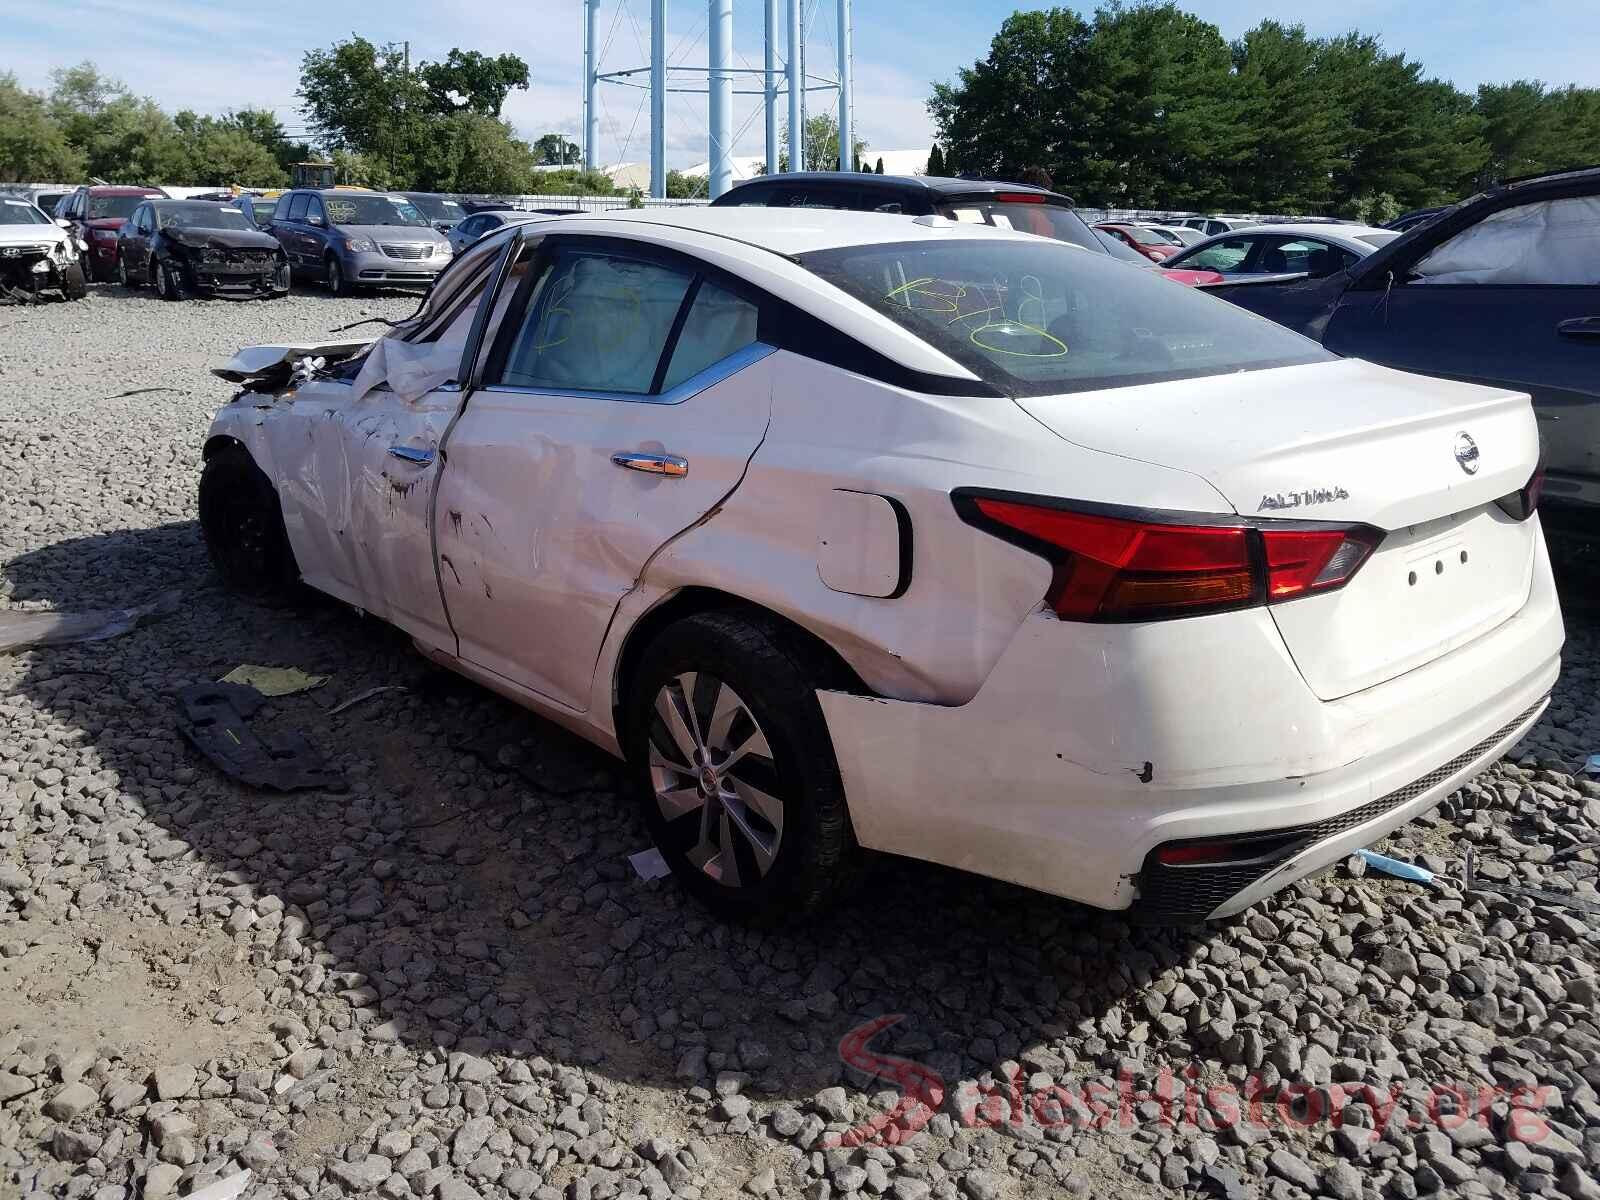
point(599, 322)
point(1226, 257)
point(1554, 243)
point(1030, 318)
point(297, 207)
point(314, 210)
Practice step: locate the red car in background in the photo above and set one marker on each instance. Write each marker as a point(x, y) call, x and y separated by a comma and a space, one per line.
point(1120, 250)
point(1144, 241)
point(96, 214)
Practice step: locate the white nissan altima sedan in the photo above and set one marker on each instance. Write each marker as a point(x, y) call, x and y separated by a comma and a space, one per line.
point(848, 531)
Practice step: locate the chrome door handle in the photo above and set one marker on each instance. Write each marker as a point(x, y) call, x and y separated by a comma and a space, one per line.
point(1580, 327)
point(412, 454)
point(669, 465)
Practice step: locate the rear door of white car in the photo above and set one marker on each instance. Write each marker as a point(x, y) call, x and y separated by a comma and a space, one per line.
point(622, 400)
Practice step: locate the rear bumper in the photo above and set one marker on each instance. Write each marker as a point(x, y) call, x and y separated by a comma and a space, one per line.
point(1089, 747)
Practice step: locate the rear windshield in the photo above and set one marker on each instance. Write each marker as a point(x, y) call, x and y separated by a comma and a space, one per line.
point(1046, 220)
point(346, 209)
point(113, 206)
point(1036, 319)
point(200, 216)
point(437, 208)
point(20, 212)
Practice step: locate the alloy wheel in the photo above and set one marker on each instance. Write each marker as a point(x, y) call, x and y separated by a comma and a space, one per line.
point(158, 276)
point(714, 779)
point(335, 277)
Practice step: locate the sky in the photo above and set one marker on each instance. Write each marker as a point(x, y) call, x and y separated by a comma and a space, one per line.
point(212, 56)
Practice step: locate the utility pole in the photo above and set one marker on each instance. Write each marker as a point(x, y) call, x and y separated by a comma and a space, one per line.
point(847, 143)
point(769, 79)
point(658, 99)
point(591, 118)
point(720, 84)
point(797, 117)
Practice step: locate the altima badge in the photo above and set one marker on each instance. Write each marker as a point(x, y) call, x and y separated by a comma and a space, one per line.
point(1312, 495)
point(1467, 452)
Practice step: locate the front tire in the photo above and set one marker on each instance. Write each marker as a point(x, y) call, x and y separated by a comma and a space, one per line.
point(73, 285)
point(333, 278)
point(168, 280)
point(242, 522)
point(125, 277)
point(731, 758)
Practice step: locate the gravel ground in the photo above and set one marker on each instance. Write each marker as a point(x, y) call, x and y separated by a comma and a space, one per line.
point(448, 982)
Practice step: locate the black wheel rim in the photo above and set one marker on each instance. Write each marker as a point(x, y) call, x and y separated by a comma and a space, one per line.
point(242, 539)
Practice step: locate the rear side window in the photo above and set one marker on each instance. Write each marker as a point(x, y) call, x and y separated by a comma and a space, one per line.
point(719, 324)
point(599, 322)
point(1031, 318)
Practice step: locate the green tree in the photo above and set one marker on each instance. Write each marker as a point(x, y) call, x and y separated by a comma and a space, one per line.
point(878, 170)
point(33, 147)
point(685, 187)
point(553, 149)
point(472, 152)
point(260, 125)
point(364, 98)
point(821, 145)
point(219, 153)
point(936, 165)
point(473, 82)
point(1288, 159)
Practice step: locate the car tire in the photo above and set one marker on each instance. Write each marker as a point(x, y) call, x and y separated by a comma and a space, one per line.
point(73, 285)
point(282, 280)
point(750, 683)
point(126, 278)
point(168, 281)
point(333, 277)
point(241, 520)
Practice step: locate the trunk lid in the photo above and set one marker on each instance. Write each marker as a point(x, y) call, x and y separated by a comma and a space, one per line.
point(1349, 442)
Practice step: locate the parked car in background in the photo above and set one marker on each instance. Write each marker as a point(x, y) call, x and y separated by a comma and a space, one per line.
point(1416, 216)
point(1503, 289)
point(1066, 575)
point(1156, 247)
point(1120, 249)
point(258, 208)
point(1282, 249)
point(970, 201)
point(184, 248)
point(351, 239)
point(96, 213)
point(1180, 235)
point(37, 255)
point(443, 212)
point(470, 229)
point(45, 198)
point(1211, 226)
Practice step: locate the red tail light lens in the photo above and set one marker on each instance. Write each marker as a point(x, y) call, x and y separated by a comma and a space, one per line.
point(1115, 568)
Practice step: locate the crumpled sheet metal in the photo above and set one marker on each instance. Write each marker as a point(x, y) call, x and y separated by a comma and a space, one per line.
point(215, 719)
point(251, 362)
point(19, 630)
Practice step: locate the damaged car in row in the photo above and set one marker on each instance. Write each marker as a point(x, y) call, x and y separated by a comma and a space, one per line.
point(851, 533)
point(182, 248)
point(38, 256)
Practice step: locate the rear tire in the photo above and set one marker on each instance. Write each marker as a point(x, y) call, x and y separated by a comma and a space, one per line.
point(730, 755)
point(242, 521)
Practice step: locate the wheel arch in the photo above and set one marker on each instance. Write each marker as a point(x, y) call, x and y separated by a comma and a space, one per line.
point(221, 441)
point(692, 601)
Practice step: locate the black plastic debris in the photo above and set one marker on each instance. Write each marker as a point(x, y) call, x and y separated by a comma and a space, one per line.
point(215, 718)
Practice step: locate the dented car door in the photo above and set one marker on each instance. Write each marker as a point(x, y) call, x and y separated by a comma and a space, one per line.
point(620, 403)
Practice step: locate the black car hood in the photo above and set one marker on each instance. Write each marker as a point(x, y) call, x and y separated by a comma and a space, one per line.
point(221, 239)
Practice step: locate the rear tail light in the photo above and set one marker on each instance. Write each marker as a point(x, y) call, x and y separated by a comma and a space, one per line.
point(1149, 566)
point(1522, 504)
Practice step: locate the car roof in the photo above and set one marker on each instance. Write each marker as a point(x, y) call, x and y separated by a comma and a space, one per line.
point(939, 184)
point(786, 231)
point(1314, 229)
point(124, 190)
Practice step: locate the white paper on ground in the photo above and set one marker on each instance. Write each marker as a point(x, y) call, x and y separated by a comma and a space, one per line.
point(649, 864)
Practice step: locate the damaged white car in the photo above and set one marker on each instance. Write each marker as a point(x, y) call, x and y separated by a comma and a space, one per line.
point(37, 255)
point(848, 531)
